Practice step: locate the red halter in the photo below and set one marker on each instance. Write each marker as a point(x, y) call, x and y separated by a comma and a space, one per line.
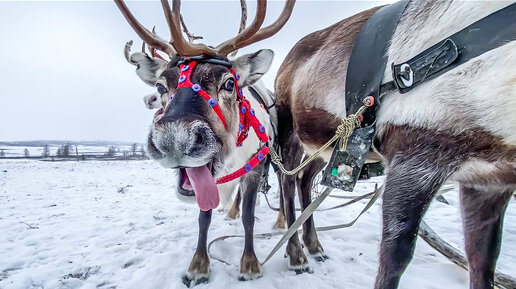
point(248, 119)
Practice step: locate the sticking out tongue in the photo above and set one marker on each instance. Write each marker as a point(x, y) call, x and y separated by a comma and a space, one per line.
point(206, 191)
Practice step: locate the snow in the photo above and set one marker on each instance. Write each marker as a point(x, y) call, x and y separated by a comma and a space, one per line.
point(70, 225)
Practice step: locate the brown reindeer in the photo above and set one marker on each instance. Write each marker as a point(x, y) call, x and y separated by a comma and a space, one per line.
point(206, 116)
point(459, 126)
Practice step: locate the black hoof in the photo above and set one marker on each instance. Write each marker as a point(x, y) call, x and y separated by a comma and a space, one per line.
point(187, 281)
point(201, 281)
point(304, 270)
point(321, 258)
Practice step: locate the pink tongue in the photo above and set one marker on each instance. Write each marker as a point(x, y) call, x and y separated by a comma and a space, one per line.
point(206, 191)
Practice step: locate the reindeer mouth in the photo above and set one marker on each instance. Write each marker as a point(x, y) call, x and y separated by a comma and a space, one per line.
point(159, 113)
point(199, 181)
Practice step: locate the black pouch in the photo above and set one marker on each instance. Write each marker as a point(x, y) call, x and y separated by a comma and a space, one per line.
point(344, 168)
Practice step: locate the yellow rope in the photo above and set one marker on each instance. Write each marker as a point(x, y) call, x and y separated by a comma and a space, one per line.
point(343, 132)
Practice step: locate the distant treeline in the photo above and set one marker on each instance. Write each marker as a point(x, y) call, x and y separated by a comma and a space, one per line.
point(70, 152)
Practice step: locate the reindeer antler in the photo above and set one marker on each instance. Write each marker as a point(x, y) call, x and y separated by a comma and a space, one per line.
point(151, 39)
point(191, 37)
point(274, 27)
point(243, 21)
point(178, 45)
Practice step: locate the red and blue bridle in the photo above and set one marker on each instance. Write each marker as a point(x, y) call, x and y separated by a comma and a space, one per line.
point(248, 117)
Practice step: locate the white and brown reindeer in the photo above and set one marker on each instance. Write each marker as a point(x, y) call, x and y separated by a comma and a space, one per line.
point(459, 126)
point(206, 115)
point(153, 69)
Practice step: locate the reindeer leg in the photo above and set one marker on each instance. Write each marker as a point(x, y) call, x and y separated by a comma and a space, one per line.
point(280, 220)
point(411, 182)
point(482, 214)
point(304, 187)
point(249, 266)
point(235, 208)
point(199, 269)
point(293, 154)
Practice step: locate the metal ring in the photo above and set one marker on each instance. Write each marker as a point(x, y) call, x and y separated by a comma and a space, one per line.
point(212, 102)
point(243, 110)
point(196, 87)
point(260, 156)
point(182, 79)
point(248, 168)
point(185, 68)
point(251, 111)
point(262, 128)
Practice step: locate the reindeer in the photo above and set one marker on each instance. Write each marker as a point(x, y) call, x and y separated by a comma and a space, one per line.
point(152, 70)
point(459, 126)
point(199, 136)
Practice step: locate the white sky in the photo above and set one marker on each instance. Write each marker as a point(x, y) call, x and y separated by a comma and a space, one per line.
point(63, 74)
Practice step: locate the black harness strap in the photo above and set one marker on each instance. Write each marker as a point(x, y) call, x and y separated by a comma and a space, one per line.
point(484, 35)
point(363, 78)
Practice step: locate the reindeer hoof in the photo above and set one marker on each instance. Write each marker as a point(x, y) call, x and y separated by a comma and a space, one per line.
point(199, 270)
point(233, 214)
point(301, 266)
point(300, 269)
point(197, 279)
point(320, 257)
point(250, 268)
point(279, 225)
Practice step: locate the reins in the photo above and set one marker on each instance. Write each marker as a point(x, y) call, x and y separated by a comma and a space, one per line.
point(343, 132)
point(301, 219)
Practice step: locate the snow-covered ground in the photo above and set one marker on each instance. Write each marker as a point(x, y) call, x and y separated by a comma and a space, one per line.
point(68, 225)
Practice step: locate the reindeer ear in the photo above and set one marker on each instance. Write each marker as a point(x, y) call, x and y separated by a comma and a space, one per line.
point(148, 68)
point(251, 67)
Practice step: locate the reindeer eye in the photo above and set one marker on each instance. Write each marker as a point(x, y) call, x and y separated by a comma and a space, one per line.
point(161, 89)
point(229, 85)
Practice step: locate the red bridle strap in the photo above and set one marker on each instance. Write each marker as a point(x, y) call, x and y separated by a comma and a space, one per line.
point(258, 158)
point(185, 81)
point(248, 119)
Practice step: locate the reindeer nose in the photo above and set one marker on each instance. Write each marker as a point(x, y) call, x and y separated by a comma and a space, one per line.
point(200, 139)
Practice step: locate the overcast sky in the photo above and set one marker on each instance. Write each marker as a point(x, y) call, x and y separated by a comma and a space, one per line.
point(63, 75)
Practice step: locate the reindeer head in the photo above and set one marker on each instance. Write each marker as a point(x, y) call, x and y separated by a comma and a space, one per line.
point(198, 127)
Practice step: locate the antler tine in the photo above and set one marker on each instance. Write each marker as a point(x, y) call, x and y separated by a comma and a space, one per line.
point(243, 21)
point(151, 49)
point(143, 33)
point(191, 37)
point(273, 28)
point(226, 47)
point(143, 47)
point(182, 47)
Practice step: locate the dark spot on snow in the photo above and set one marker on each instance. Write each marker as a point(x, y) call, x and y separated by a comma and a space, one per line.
point(5, 171)
point(360, 254)
point(82, 274)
